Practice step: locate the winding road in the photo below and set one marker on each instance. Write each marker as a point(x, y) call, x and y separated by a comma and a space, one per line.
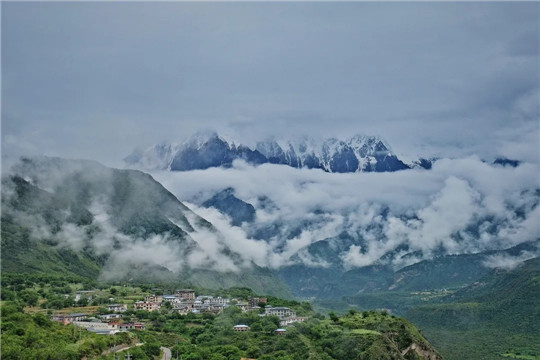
point(166, 353)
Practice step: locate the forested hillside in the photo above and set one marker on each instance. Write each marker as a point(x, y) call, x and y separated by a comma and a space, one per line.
point(28, 301)
point(497, 317)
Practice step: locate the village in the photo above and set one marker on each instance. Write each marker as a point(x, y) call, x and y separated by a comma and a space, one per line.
point(182, 302)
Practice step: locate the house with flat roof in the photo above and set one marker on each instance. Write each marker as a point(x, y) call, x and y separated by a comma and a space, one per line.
point(67, 319)
point(146, 305)
point(117, 307)
point(217, 300)
point(186, 294)
point(292, 320)
point(173, 299)
point(240, 328)
point(281, 312)
point(153, 298)
point(131, 326)
point(110, 316)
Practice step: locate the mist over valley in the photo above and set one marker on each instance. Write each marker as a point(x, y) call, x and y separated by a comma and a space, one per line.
point(270, 180)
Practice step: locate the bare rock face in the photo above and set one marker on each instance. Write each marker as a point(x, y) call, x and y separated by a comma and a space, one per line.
point(417, 351)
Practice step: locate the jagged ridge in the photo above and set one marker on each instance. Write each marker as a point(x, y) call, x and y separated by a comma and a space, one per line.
point(202, 151)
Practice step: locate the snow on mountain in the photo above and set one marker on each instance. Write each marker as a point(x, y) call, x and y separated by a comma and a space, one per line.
point(156, 157)
point(360, 153)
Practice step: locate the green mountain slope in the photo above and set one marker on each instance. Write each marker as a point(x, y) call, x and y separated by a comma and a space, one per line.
point(497, 315)
point(79, 217)
point(425, 282)
point(362, 336)
point(20, 250)
point(453, 270)
point(355, 335)
point(362, 286)
point(19, 254)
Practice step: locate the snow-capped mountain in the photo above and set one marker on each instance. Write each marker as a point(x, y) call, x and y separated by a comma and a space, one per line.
point(156, 157)
point(359, 153)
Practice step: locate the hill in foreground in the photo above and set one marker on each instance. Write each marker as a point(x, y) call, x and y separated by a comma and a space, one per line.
point(31, 334)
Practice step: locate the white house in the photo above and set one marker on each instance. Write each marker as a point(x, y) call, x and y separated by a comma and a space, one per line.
point(173, 299)
point(117, 307)
point(111, 316)
point(281, 312)
point(217, 300)
point(291, 320)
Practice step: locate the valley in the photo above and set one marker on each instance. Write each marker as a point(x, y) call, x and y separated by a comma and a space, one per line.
point(85, 223)
point(270, 180)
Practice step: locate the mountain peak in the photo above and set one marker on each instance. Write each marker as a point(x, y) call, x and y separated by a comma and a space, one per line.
point(200, 138)
point(205, 149)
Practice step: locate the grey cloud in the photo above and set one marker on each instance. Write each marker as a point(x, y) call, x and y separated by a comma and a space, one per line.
point(506, 261)
point(452, 80)
point(95, 80)
point(524, 45)
point(235, 237)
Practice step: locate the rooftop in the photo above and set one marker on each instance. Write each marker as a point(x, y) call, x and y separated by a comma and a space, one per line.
point(78, 314)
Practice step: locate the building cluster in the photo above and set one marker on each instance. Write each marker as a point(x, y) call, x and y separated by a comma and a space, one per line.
point(104, 324)
point(286, 315)
point(183, 301)
point(69, 318)
point(286, 318)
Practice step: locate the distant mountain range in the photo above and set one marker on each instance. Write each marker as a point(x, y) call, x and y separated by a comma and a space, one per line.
point(359, 153)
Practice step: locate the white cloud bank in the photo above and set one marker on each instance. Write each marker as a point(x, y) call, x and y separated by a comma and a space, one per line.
point(460, 206)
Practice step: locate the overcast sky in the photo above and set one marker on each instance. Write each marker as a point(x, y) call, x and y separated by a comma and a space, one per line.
point(95, 80)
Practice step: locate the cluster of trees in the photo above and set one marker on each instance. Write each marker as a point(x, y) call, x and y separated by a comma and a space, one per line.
point(48, 291)
point(27, 336)
point(365, 335)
